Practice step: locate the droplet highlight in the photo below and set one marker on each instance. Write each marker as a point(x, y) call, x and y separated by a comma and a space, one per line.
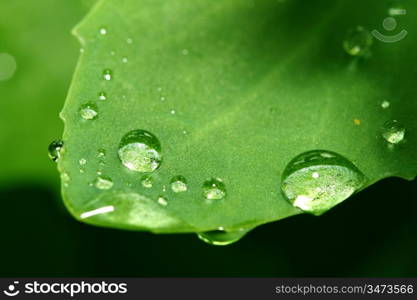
point(393, 132)
point(103, 182)
point(140, 151)
point(316, 181)
point(214, 189)
point(107, 74)
point(147, 181)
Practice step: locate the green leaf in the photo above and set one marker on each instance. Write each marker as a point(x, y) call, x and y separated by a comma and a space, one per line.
point(232, 90)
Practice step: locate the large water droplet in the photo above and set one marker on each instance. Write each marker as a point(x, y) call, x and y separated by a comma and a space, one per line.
point(107, 74)
point(54, 150)
point(140, 151)
point(221, 237)
point(316, 181)
point(103, 182)
point(88, 111)
point(214, 189)
point(178, 184)
point(147, 181)
point(393, 131)
point(358, 41)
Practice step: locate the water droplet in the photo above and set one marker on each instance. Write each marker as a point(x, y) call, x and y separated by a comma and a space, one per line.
point(124, 60)
point(315, 182)
point(7, 66)
point(82, 161)
point(184, 52)
point(178, 184)
point(162, 98)
point(221, 237)
point(54, 150)
point(163, 201)
point(147, 181)
point(393, 132)
point(107, 74)
point(103, 30)
point(385, 104)
point(102, 96)
point(140, 151)
point(112, 53)
point(103, 182)
point(88, 111)
point(214, 189)
point(65, 178)
point(101, 153)
point(173, 112)
point(129, 41)
point(358, 41)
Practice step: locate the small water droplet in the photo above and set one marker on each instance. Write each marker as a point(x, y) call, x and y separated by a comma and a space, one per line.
point(184, 52)
point(222, 238)
point(124, 60)
point(65, 178)
point(103, 30)
point(162, 99)
point(81, 50)
point(103, 182)
point(102, 96)
point(315, 182)
point(214, 189)
point(54, 150)
point(178, 184)
point(147, 181)
point(101, 153)
point(88, 111)
point(82, 161)
point(162, 201)
point(129, 41)
point(140, 151)
point(107, 74)
point(358, 41)
point(173, 112)
point(385, 104)
point(393, 132)
point(112, 53)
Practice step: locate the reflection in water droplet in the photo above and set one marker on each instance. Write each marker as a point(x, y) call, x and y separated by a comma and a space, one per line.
point(7, 66)
point(221, 237)
point(54, 150)
point(162, 201)
point(358, 41)
point(214, 189)
point(102, 96)
point(103, 182)
point(98, 211)
point(88, 111)
point(140, 151)
point(315, 182)
point(178, 184)
point(393, 132)
point(107, 74)
point(385, 104)
point(147, 181)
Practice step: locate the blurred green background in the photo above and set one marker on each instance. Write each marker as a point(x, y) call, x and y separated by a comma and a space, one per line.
point(372, 234)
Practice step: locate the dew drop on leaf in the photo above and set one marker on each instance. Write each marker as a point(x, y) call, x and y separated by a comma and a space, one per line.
point(54, 150)
point(140, 151)
point(393, 131)
point(315, 181)
point(124, 60)
point(102, 96)
point(146, 181)
point(88, 111)
point(103, 182)
point(221, 237)
point(162, 201)
point(385, 104)
point(103, 31)
point(107, 74)
point(65, 178)
point(214, 189)
point(358, 41)
point(178, 184)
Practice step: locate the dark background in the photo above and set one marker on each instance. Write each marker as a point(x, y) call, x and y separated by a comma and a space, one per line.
point(374, 233)
point(371, 234)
